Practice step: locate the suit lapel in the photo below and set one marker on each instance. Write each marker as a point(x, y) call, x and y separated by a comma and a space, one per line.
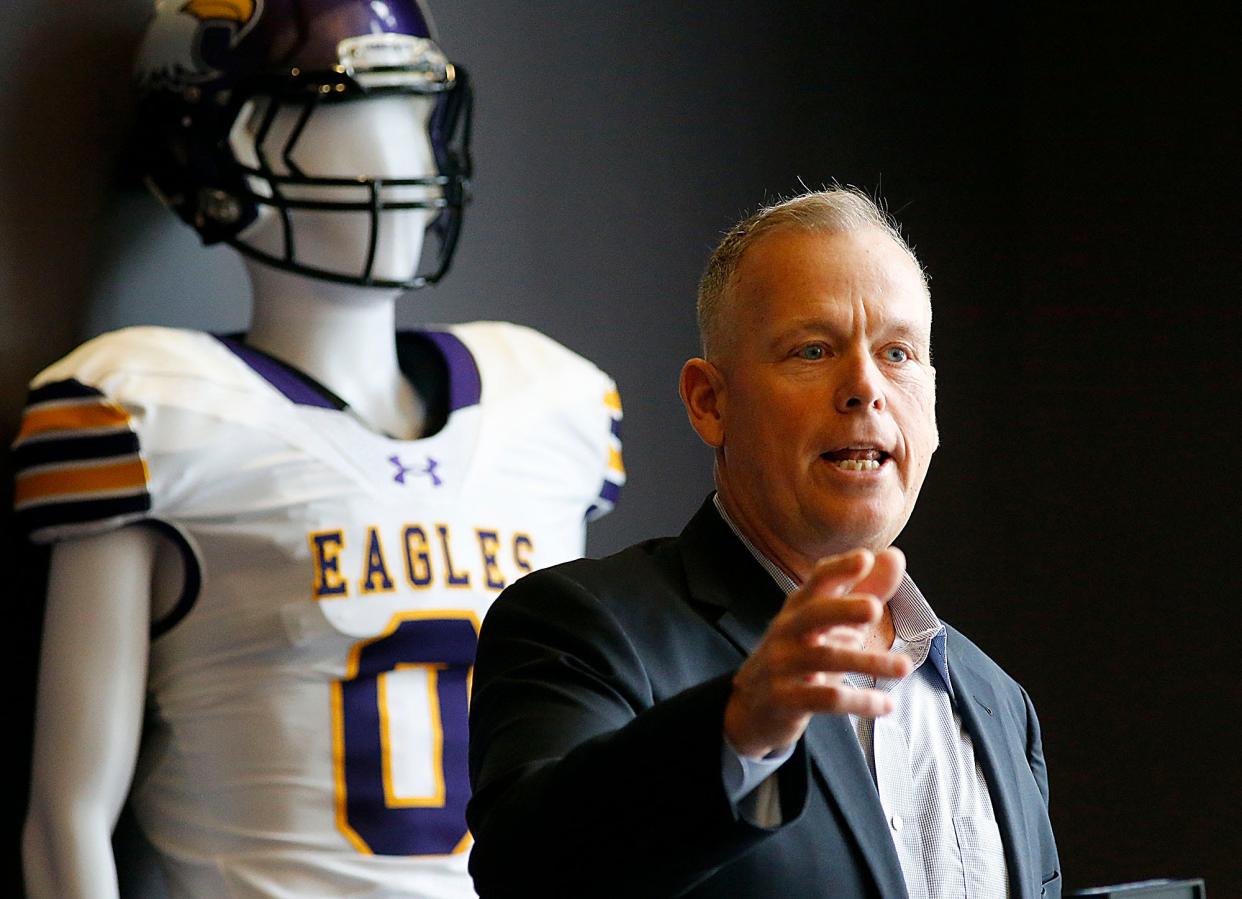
point(834, 751)
point(721, 572)
point(980, 713)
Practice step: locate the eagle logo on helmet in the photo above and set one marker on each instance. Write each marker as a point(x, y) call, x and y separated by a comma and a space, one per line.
point(188, 40)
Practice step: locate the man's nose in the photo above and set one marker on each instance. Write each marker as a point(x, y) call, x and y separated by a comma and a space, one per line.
point(861, 386)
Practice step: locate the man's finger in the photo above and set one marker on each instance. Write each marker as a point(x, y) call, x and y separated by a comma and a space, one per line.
point(811, 617)
point(885, 575)
point(835, 576)
point(805, 660)
point(834, 699)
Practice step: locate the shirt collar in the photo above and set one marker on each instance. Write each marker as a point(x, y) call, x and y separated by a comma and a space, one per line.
point(913, 619)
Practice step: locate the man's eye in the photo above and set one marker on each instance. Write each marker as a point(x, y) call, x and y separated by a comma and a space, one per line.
point(896, 354)
point(812, 352)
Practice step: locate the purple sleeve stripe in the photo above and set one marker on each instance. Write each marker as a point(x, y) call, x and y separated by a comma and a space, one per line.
point(465, 385)
point(610, 492)
point(61, 390)
point(83, 511)
point(295, 386)
point(74, 448)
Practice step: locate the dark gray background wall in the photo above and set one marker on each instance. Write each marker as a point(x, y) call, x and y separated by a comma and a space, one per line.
point(1069, 180)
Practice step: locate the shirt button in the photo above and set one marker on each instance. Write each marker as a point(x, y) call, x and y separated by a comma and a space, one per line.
point(897, 823)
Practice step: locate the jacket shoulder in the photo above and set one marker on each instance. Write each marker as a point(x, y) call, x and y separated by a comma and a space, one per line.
point(633, 576)
point(965, 652)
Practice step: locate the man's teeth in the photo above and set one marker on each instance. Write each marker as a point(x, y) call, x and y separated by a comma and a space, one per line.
point(857, 464)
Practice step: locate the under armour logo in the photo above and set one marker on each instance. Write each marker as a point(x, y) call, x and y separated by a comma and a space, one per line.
point(403, 470)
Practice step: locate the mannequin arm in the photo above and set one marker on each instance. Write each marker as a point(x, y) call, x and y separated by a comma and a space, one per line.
point(88, 718)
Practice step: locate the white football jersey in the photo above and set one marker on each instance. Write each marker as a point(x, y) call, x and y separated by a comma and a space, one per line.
point(308, 695)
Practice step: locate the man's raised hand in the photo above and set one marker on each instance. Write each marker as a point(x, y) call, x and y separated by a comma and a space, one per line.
point(797, 670)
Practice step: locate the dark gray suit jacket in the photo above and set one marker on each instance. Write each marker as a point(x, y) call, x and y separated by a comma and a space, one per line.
point(596, 723)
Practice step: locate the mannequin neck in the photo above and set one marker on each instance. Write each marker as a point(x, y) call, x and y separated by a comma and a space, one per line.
point(341, 335)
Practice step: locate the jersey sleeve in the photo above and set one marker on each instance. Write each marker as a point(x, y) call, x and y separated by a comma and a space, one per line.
point(557, 409)
point(78, 464)
point(614, 468)
point(97, 445)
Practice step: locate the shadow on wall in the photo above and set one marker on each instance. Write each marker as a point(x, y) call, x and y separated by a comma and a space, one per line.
point(151, 269)
point(64, 113)
point(65, 116)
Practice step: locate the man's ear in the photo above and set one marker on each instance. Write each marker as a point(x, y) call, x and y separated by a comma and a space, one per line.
point(702, 389)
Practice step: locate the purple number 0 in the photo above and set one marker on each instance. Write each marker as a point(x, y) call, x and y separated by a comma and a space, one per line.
point(443, 643)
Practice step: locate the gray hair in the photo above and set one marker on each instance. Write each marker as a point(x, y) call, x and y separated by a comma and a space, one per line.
point(834, 210)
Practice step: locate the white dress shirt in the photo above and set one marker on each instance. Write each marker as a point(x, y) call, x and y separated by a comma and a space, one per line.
point(929, 783)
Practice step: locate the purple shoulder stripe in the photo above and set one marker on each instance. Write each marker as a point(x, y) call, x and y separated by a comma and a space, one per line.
point(465, 385)
point(295, 387)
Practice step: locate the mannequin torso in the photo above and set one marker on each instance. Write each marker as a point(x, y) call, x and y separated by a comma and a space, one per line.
point(279, 520)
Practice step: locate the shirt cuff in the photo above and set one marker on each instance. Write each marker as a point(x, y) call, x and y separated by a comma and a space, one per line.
point(743, 774)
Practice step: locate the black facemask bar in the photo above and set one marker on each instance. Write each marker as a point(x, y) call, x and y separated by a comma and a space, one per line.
point(450, 136)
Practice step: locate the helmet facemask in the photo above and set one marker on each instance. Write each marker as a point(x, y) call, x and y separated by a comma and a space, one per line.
point(339, 188)
point(339, 174)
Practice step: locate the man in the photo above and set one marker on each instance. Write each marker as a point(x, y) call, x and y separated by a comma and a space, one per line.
point(703, 715)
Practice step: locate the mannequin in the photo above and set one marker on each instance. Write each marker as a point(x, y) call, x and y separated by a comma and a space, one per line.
point(162, 623)
point(323, 328)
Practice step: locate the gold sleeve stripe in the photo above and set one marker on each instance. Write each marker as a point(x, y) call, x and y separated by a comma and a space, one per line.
point(50, 483)
point(614, 460)
point(90, 415)
point(612, 399)
point(229, 10)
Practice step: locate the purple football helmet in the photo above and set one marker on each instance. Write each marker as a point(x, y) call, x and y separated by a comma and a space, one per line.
point(201, 63)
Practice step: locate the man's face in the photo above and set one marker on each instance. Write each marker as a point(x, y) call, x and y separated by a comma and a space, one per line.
point(827, 408)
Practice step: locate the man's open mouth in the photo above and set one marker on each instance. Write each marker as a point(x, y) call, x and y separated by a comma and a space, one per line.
point(856, 458)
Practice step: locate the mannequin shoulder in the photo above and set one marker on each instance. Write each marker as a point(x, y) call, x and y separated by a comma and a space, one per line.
point(513, 357)
point(538, 391)
point(106, 428)
point(137, 351)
